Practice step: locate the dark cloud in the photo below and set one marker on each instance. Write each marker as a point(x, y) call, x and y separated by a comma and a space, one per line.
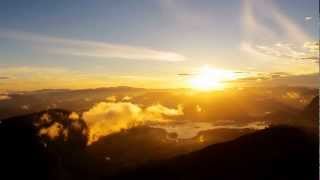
point(309, 80)
point(311, 58)
point(3, 77)
point(251, 79)
point(185, 74)
point(241, 72)
point(278, 75)
point(281, 79)
point(261, 77)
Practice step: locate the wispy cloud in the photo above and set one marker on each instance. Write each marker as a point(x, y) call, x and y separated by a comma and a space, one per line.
point(283, 40)
point(92, 48)
point(307, 51)
point(257, 29)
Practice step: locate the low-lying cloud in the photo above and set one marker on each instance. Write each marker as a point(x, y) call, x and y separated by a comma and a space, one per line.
point(52, 132)
point(4, 97)
point(109, 117)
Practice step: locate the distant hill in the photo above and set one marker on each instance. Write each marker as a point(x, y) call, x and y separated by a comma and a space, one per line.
point(311, 112)
point(307, 117)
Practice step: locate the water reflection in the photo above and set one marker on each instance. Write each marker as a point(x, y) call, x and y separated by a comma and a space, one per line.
point(189, 129)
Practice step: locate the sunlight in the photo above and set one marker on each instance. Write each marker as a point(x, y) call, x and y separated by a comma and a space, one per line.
point(210, 79)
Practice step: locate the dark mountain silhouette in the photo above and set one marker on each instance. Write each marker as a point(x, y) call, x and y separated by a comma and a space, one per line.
point(275, 153)
point(134, 147)
point(30, 150)
point(24, 153)
point(311, 112)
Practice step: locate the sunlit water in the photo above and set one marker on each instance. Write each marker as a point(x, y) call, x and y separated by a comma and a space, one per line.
point(188, 129)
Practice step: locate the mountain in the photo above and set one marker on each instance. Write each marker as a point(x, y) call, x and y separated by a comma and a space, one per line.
point(311, 111)
point(52, 144)
point(137, 146)
point(277, 153)
point(307, 117)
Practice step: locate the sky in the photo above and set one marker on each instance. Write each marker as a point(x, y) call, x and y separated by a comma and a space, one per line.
point(151, 43)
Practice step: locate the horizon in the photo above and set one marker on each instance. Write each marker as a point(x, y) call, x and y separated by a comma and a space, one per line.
point(173, 88)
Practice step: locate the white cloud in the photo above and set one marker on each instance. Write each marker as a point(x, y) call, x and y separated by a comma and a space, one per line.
point(108, 117)
point(92, 48)
point(307, 18)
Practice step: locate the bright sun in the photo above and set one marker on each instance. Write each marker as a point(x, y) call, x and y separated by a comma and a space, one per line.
point(210, 79)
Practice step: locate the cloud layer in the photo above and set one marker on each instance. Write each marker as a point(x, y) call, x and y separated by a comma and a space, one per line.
point(4, 97)
point(109, 117)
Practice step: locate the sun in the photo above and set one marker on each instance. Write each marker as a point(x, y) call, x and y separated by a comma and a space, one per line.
point(210, 79)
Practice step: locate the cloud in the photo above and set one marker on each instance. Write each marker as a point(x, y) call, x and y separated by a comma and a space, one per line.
point(109, 117)
point(280, 79)
point(92, 48)
point(52, 131)
point(185, 74)
point(259, 76)
point(291, 95)
point(74, 116)
point(306, 51)
point(4, 97)
point(311, 58)
point(307, 80)
point(126, 98)
point(312, 46)
point(25, 107)
point(307, 18)
point(111, 98)
point(59, 126)
point(252, 79)
point(3, 77)
point(283, 40)
point(198, 108)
